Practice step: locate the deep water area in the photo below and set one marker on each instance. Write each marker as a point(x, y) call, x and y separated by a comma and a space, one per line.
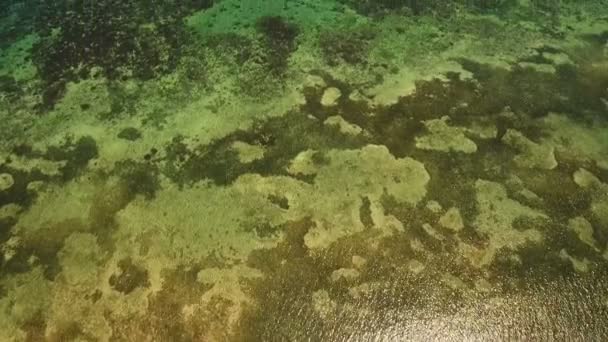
point(303, 170)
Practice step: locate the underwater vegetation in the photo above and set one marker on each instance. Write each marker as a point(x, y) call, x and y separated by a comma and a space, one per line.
point(345, 46)
point(298, 170)
point(280, 39)
point(443, 8)
point(121, 38)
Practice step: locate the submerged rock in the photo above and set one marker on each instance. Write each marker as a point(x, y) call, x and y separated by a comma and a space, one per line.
point(585, 179)
point(330, 97)
point(497, 214)
point(445, 138)
point(432, 232)
point(343, 126)
point(347, 274)
point(453, 282)
point(452, 220)
point(10, 211)
point(599, 209)
point(6, 181)
point(358, 261)
point(415, 266)
point(323, 304)
point(35, 187)
point(580, 266)
point(532, 155)
point(599, 203)
point(434, 206)
point(584, 231)
point(248, 153)
point(577, 140)
point(303, 163)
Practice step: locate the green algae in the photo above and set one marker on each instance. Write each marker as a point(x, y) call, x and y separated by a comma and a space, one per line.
point(280, 40)
point(350, 45)
point(76, 154)
point(139, 177)
point(129, 133)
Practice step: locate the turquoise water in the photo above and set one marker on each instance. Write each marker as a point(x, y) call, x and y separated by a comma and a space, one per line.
point(303, 170)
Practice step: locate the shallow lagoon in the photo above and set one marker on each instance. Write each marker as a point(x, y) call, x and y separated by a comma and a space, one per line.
point(303, 170)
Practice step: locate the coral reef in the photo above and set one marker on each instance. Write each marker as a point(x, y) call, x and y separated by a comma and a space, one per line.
point(317, 170)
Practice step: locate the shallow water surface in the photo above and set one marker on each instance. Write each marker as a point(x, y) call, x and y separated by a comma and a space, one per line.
point(312, 170)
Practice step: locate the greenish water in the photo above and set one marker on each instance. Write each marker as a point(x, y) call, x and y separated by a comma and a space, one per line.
point(317, 170)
